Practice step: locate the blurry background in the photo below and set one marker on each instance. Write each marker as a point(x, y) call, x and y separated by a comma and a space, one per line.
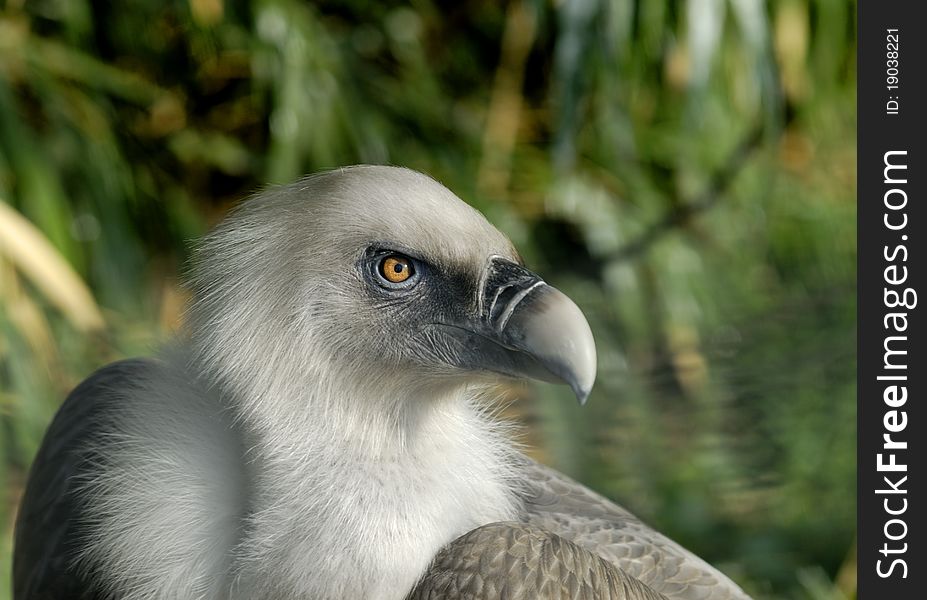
point(684, 170)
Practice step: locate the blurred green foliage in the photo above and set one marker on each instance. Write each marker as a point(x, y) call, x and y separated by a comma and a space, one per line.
point(685, 170)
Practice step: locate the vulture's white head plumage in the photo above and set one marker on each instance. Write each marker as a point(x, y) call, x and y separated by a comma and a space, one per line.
point(376, 284)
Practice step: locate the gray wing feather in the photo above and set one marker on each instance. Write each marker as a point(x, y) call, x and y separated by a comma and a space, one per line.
point(49, 533)
point(522, 562)
point(558, 504)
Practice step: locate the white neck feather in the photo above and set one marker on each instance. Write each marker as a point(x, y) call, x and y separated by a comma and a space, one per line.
point(354, 496)
point(338, 497)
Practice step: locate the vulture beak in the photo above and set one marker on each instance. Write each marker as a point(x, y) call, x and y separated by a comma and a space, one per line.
point(525, 328)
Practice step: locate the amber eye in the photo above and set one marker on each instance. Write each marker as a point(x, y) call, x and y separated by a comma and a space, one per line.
point(396, 269)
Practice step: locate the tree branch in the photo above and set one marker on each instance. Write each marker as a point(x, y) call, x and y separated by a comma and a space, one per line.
point(683, 213)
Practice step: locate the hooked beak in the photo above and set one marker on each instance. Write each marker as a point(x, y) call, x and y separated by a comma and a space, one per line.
point(525, 328)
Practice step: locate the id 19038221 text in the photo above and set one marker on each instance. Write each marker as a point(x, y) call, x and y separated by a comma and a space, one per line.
point(892, 66)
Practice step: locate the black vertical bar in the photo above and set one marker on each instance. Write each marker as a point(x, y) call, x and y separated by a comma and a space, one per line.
point(892, 371)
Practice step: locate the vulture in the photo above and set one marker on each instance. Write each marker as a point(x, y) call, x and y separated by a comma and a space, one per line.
point(323, 429)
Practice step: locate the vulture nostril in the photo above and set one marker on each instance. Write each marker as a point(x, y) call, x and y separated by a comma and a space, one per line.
point(501, 300)
point(518, 293)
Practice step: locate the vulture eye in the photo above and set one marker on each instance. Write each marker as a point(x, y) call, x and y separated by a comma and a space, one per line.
point(396, 270)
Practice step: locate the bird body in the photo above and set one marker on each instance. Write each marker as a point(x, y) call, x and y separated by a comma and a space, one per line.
point(321, 431)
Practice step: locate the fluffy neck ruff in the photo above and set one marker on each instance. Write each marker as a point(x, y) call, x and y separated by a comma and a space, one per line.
point(355, 487)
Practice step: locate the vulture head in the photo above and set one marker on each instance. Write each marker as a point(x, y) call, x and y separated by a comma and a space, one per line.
point(380, 282)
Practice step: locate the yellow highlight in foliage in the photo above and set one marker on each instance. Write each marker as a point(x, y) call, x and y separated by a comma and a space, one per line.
point(23, 245)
